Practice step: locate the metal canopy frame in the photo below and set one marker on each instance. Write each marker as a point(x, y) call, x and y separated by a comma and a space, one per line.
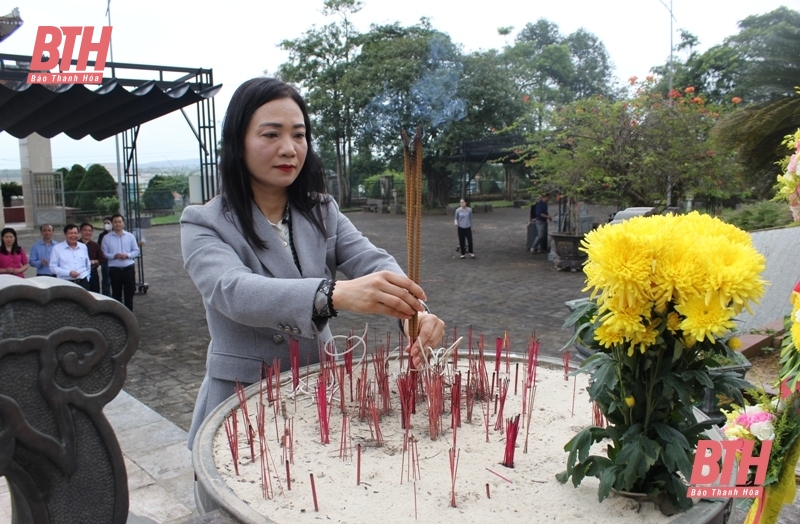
point(15, 69)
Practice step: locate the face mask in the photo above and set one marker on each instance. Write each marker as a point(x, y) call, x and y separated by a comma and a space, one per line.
point(107, 227)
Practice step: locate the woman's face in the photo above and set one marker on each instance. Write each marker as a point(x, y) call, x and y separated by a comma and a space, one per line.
point(8, 239)
point(275, 146)
point(463, 204)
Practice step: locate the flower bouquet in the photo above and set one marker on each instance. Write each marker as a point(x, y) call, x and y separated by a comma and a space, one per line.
point(667, 289)
point(777, 420)
point(788, 186)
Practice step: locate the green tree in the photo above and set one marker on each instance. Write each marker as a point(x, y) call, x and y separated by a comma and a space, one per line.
point(160, 189)
point(97, 178)
point(633, 151)
point(771, 48)
point(73, 179)
point(319, 61)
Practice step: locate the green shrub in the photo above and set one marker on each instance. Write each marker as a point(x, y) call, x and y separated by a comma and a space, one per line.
point(160, 188)
point(97, 178)
point(761, 215)
point(107, 206)
point(73, 179)
point(10, 189)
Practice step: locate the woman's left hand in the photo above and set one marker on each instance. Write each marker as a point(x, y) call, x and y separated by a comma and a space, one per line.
point(431, 333)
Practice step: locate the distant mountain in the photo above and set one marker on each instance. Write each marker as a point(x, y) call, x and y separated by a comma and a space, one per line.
point(172, 165)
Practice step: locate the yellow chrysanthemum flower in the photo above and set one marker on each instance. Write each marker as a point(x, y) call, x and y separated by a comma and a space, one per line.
point(704, 319)
point(673, 321)
point(646, 338)
point(733, 273)
point(608, 336)
point(735, 343)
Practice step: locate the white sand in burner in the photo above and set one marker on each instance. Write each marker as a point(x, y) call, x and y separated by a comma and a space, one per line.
point(530, 494)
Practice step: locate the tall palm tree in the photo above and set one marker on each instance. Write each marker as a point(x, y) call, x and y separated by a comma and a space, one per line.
point(773, 74)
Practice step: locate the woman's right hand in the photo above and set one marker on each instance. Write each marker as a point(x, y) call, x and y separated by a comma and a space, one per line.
point(384, 293)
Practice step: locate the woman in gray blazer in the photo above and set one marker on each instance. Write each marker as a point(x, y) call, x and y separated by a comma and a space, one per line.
point(264, 253)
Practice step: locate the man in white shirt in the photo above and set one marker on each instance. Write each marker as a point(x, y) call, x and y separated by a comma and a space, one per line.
point(70, 259)
point(121, 248)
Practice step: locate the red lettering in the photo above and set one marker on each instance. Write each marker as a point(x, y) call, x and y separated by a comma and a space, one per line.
point(748, 460)
point(41, 45)
point(70, 34)
point(731, 447)
point(100, 48)
point(701, 460)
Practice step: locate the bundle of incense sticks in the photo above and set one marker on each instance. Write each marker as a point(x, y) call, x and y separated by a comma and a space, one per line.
point(232, 432)
point(412, 162)
point(598, 419)
point(248, 429)
point(512, 430)
point(434, 394)
point(503, 387)
point(453, 456)
point(266, 476)
point(322, 410)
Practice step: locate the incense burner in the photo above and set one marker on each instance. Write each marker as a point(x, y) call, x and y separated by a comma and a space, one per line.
point(509, 493)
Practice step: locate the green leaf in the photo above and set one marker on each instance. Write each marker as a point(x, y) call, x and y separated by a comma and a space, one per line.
point(671, 435)
point(678, 351)
point(700, 376)
point(676, 460)
point(607, 481)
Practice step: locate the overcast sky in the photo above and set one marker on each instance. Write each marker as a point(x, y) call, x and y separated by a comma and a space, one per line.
point(238, 39)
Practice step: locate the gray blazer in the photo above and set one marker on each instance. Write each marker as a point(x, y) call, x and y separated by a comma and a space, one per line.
point(256, 298)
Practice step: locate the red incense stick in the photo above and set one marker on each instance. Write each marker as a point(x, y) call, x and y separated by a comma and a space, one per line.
point(487, 491)
point(512, 430)
point(314, 492)
point(358, 466)
point(566, 365)
point(232, 432)
point(499, 475)
point(288, 477)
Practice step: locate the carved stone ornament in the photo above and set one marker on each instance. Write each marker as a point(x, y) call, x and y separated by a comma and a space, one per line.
point(63, 357)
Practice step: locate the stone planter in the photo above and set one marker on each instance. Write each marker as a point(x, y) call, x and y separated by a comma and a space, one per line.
point(213, 494)
point(568, 254)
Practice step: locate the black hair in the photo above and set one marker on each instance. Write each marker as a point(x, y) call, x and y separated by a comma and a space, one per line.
point(85, 224)
point(308, 189)
point(106, 218)
point(118, 215)
point(70, 226)
point(15, 249)
point(41, 228)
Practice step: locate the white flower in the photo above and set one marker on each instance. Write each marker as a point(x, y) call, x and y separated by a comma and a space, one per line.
point(753, 410)
point(797, 316)
point(763, 430)
point(778, 405)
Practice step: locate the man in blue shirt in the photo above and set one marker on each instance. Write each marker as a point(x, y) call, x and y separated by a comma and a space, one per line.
point(42, 252)
point(121, 250)
point(541, 216)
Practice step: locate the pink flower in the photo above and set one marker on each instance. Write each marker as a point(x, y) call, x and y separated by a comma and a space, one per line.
point(792, 164)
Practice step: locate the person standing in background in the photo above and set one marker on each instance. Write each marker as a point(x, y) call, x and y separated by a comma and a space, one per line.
point(463, 221)
point(95, 255)
point(41, 252)
point(71, 259)
point(13, 260)
point(120, 249)
point(541, 216)
point(105, 277)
